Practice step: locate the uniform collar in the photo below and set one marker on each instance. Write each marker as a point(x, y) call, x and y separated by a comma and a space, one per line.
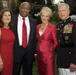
point(66, 20)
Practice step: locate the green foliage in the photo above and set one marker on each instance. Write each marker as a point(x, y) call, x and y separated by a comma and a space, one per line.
point(35, 68)
point(55, 18)
point(13, 6)
point(35, 8)
point(1, 5)
point(16, 9)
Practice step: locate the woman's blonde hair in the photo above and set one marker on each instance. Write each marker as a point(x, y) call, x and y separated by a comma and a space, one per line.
point(46, 9)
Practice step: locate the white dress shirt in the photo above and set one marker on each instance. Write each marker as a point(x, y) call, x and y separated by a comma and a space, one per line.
point(19, 28)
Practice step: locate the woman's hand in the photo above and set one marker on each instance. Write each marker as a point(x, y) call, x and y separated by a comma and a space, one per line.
point(35, 55)
point(1, 66)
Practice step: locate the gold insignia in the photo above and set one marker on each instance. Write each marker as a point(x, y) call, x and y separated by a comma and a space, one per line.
point(67, 28)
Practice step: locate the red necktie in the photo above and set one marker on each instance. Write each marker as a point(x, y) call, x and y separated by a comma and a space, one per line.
point(24, 34)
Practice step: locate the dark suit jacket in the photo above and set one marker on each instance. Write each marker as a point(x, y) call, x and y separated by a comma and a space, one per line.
point(32, 39)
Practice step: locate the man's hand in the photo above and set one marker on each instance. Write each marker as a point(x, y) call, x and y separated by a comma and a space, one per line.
point(72, 67)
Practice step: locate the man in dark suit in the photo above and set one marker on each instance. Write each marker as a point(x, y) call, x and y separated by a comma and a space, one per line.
point(24, 55)
point(66, 34)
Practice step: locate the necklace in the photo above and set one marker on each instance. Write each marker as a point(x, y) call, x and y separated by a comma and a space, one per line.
point(42, 28)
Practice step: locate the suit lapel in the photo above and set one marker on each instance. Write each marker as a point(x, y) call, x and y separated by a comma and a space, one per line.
point(15, 20)
point(45, 31)
point(31, 29)
point(16, 23)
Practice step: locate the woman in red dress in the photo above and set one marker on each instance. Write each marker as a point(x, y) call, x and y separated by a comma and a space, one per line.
point(6, 43)
point(47, 42)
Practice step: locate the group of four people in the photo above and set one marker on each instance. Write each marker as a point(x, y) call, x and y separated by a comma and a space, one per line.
point(44, 37)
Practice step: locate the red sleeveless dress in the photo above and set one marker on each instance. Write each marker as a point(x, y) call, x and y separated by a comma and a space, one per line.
point(6, 50)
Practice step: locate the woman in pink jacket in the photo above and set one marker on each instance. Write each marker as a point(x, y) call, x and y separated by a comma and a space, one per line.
point(47, 42)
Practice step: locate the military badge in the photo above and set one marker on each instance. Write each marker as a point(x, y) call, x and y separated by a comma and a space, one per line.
point(68, 28)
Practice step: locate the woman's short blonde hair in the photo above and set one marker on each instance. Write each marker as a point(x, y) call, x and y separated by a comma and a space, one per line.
point(46, 9)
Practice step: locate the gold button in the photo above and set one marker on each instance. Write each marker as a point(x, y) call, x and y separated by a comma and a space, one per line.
point(69, 52)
